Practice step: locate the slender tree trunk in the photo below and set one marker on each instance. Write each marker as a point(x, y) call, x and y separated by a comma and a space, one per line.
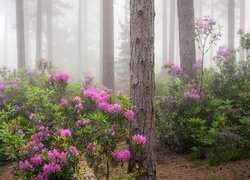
point(101, 44)
point(38, 32)
point(49, 31)
point(108, 44)
point(80, 36)
point(142, 83)
point(242, 24)
point(164, 32)
point(231, 22)
point(85, 37)
point(20, 34)
point(186, 34)
point(211, 49)
point(26, 28)
point(5, 45)
point(172, 31)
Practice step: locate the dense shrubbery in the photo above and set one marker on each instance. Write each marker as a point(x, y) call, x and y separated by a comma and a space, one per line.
point(207, 114)
point(47, 125)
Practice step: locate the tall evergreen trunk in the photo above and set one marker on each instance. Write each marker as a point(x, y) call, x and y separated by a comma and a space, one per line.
point(231, 22)
point(242, 24)
point(172, 31)
point(211, 49)
point(142, 83)
point(186, 34)
point(20, 34)
point(5, 45)
point(38, 32)
point(26, 28)
point(164, 32)
point(80, 58)
point(85, 37)
point(100, 44)
point(108, 44)
point(49, 31)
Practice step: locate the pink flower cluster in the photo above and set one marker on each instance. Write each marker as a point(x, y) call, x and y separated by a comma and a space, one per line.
point(51, 168)
point(64, 102)
point(2, 86)
point(197, 65)
point(176, 70)
point(139, 139)
point(224, 52)
point(36, 160)
point(61, 76)
point(16, 83)
point(65, 133)
point(205, 23)
point(24, 165)
point(73, 150)
point(82, 123)
point(53, 155)
point(76, 99)
point(129, 115)
point(87, 79)
point(193, 95)
point(122, 156)
point(91, 148)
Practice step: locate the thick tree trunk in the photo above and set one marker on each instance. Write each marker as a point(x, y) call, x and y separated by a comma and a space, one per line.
point(79, 36)
point(172, 31)
point(49, 31)
point(5, 45)
point(38, 32)
point(20, 34)
point(26, 28)
point(85, 37)
point(186, 34)
point(108, 44)
point(242, 24)
point(231, 21)
point(142, 83)
point(164, 32)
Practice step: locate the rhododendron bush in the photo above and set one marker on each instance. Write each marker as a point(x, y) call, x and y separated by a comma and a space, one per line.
point(47, 125)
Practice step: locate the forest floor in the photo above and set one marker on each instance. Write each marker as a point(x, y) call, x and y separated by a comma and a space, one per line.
point(177, 167)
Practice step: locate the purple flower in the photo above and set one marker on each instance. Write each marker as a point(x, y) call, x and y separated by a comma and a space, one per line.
point(31, 116)
point(205, 23)
point(76, 99)
point(176, 70)
point(73, 150)
point(15, 83)
point(197, 65)
point(51, 168)
point(41, 176)
point(61, 76)
point(2, 86)
point(139, 139)
point(64, 102)
point(36, 160)
point(65, 133)
point(122, 156)
point(91, 148)
point(248, 74)
point(88, 79)
point(168, 63)
point(82, 123)
point(193, 95)
point(129, 114)
point(78, 107)
point(24, 165)
point(224, 52)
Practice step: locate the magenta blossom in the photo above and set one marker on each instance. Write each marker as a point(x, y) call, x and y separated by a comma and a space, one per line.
point(197, 65)
point(122, 156)
point(193, 95)
point(139, 139)
point(78, 107)
point(2, 86)
point(24, 165)
point(129, 114)
point(91, 147)
point(51, 168)
point(36, 160)
point(73, 150)
point(176, 70)
point(82, 123)
point(65, 133)
point(61, 76)
point(76, 99)
point(205, 23)
point(31, 116)
point(224, 52)
point(64, 102)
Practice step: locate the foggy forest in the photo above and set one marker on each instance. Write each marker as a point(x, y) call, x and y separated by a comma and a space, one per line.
point(124, 89)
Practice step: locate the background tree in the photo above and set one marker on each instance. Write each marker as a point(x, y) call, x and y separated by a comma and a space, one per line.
point(186, 34)
point(108, 44)
point(20, 34)
point(142, 83)
point(38, 32)
point(122, 64)
point(172, 30)
point(49, 31)
point(164, 32)
point(231, 23)
point(242, 24)
point(80, 57)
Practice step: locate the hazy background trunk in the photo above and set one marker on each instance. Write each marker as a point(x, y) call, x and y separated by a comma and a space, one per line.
point(186, 34)
point(49, 31)
point(26, 28)
point(142, 83)
point(231, 25)
point(108, 44)
point(164, 32)
point(242, 24)
point(5, 37)
point(20, 34)
point(85, 38)
point(172, 31)
point(38, 32)
point(80, 47)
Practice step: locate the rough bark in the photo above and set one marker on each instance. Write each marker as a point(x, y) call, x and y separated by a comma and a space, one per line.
point(231, 21)
point(172, 31)
point(49, 31)
point(186, 34)
point(142, 83)
point(38, 32)
point(80, 36)
point(242, 24)
point(164, 32)
point(108, 44)
point(20, 34)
